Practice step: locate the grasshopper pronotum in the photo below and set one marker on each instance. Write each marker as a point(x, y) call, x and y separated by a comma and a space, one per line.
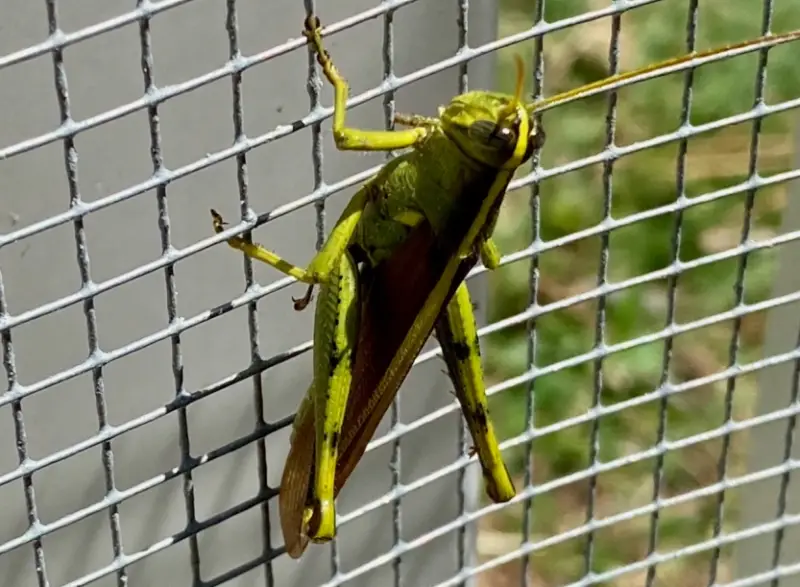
point(393, 268)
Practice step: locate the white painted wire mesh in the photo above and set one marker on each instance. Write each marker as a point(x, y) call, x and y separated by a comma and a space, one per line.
point(595, 531)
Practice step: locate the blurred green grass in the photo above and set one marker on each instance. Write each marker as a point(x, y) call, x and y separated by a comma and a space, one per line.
point(575, 201)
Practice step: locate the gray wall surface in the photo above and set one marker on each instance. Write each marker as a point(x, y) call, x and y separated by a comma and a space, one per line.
point(104, 72)
point(767, 443)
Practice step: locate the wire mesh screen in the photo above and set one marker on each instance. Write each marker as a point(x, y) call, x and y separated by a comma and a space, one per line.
point(640, 339)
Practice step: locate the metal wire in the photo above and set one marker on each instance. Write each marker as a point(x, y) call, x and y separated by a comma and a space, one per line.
point(533, 277)
point(10, 365)
point(153, 97)
point(394, 463)
point(267, 553)
point(172, 311)
point(683, 146)
point(733, 353)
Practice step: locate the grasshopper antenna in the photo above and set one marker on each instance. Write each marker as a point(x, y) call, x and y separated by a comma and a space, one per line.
point(674, 65)
point(511, 109)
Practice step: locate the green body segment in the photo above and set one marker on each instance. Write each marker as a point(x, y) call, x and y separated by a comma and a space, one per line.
point(422, 184)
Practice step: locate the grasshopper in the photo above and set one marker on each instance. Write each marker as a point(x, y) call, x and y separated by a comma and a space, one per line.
point(393, 269)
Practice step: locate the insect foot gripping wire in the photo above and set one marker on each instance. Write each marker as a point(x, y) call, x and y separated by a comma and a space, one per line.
point(392, 271)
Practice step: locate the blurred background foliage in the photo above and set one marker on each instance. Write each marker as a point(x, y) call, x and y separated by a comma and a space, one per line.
point(575, 201)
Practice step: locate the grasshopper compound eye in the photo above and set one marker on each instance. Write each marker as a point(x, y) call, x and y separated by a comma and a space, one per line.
point(504, 138)
point(496, 136)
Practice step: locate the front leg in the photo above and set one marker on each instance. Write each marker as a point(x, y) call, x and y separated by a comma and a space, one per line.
point(352, 139)
point(490, 256)
point(416, 120)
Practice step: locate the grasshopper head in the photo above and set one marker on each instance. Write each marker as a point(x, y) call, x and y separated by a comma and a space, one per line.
point(492, 128)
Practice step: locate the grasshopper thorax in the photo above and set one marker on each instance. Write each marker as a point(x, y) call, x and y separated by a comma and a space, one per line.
point(486, 127)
